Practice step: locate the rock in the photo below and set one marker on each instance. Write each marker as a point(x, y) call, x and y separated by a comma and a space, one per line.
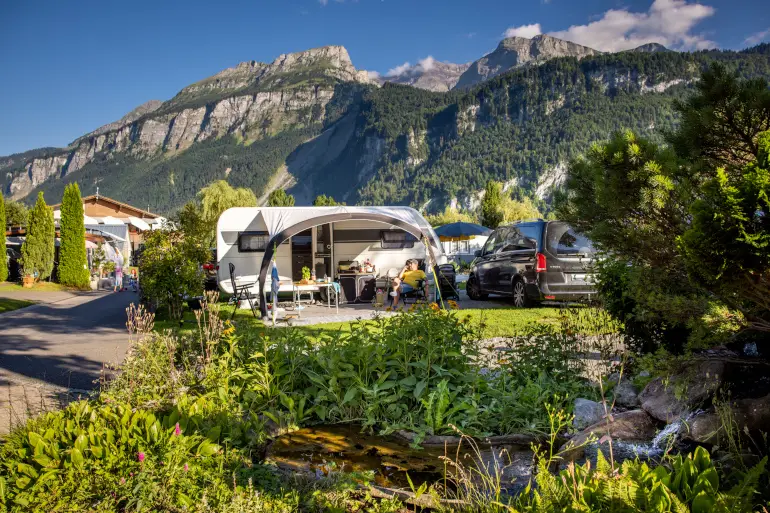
point(749, 417)
point(626, 395)
point(587, 413)
point(427, 74)
point(629, 426)
point(513, 52)
point(668, 399)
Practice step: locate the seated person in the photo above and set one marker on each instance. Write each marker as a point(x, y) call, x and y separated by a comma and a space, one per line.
point(407, 280)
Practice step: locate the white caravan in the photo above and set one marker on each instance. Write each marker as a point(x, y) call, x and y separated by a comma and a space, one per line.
point(326, 239)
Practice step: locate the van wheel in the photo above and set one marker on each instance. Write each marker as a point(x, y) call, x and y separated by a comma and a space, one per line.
point(473, 290)
point(520, 299)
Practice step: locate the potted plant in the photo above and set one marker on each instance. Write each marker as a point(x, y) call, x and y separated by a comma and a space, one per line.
point(305, 275)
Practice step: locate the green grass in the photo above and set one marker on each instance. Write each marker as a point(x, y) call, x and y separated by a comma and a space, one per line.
point(493, 322)
point(6, 304)
point(44, 286)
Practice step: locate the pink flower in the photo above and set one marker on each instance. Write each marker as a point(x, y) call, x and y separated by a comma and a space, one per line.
point(177, 430)
point(122, 480)
point(140, 457)
point(186, 468)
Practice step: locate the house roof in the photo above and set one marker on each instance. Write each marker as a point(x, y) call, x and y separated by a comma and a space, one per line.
point(138, 212)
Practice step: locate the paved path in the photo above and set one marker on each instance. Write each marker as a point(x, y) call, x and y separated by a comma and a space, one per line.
point(55, 350)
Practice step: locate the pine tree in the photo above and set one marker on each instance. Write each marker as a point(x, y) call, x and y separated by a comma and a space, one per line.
point(3, 257)
point(491, 206)
point(73, 263)
point(37, 253)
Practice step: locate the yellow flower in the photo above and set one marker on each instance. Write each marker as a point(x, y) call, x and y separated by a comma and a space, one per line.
point(453, 305)
point(411, 308)
point(229, 330)
point(434, 307)
point(388, 309)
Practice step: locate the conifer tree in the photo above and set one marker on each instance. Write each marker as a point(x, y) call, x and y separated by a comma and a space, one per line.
point(3, 258)
point(73, 263)
point(37, 253)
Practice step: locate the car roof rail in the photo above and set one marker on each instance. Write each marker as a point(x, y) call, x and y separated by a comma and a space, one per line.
point(529, 220)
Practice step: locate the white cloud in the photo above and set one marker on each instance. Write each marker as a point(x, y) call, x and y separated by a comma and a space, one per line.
point(406, 68)
point(374, 75)
point(528, 31)
point(668, 22)
point(323, 2)
point(426, 63)
point(755, 39)
point(470, 35)
point(399, 70)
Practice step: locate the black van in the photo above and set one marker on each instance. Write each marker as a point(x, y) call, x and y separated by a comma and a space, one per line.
point(533, 261)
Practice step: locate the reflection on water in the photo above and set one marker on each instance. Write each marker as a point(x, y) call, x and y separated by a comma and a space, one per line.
point(343, 447)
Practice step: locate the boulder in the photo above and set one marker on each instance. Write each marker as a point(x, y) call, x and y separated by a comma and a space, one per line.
point(626, 395)
point(629, 426)
point(667, 399)
point(749, 417)
point(587, 413)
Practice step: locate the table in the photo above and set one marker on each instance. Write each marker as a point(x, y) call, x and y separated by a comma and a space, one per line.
point(310, 288)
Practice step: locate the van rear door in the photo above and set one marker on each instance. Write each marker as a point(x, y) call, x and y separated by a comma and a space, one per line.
point(569, 260)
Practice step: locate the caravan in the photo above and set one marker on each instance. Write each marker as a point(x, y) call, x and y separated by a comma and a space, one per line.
point(360, 247)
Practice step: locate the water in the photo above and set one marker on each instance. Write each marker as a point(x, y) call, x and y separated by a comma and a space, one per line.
point(662, 441)
point(324, 449)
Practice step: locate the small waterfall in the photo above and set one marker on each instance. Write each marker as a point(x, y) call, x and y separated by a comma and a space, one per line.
point(664, 438)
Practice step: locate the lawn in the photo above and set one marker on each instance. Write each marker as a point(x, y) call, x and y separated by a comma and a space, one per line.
point(493, 322)
point(6, 304)
point(45, 286)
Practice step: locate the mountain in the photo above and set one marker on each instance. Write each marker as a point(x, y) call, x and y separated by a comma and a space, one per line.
point(651, 48)
point(311, 123)
point(250, 101)
point(513, 52)
point(429, 74)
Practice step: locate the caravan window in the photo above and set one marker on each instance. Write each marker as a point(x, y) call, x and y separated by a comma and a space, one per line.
point(252, 241)
point(397, 240)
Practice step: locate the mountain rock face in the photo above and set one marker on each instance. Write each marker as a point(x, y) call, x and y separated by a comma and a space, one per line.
point(513, 52)
point(249, 101)
point(312, 124)
point(438, 76)
point(650, 48)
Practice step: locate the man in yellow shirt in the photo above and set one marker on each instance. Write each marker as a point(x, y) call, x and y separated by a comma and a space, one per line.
point(408, 279)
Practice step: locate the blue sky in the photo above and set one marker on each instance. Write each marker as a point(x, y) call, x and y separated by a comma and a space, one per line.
point(69, 67)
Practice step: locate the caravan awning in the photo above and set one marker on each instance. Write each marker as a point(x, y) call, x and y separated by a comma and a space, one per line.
point(285, 222)
point(138, 223)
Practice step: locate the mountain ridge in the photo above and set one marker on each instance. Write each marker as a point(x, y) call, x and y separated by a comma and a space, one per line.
point(394, 144)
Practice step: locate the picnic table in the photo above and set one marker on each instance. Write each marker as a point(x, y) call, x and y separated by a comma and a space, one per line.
point(332, 289)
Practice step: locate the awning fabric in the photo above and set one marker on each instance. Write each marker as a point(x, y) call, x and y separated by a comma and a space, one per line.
point(139, 223)
point(110, 220)
point(284, 222)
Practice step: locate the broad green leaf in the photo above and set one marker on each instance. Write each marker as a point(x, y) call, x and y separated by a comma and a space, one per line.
point(81, 443)
point(43, 460)
point(206, 448)
point(409, 381)
point(35, 440)
point(214, 433)
point(76, 457)
point(350, 395)
point(26, 469)
point(419, 388)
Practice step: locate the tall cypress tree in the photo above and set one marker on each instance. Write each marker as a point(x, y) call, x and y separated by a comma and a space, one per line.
point(73, 270)
point(3, 258)
point(37, 253)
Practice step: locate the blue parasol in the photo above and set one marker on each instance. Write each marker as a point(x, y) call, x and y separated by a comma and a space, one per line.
point(457, 230)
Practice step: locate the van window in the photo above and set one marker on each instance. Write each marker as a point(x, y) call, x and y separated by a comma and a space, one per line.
point(252, 241)
point(517, 239)
point(562, 239)
point(397, 240)
point(489, 246)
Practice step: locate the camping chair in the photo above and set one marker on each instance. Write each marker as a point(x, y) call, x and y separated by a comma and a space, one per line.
point(447, 286)
point(240, 292)
point(414, 295)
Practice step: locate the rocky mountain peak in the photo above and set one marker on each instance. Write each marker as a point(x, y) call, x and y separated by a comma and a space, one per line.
point(651, 48)
point(513, 52)
point(429, 74)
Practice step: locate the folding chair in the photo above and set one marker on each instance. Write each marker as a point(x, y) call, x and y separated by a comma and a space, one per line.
point(240, 292)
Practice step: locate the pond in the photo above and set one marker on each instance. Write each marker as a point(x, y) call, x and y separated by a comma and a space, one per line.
point(322, 449)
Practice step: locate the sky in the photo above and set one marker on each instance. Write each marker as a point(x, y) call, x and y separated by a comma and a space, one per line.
point(68, 67)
